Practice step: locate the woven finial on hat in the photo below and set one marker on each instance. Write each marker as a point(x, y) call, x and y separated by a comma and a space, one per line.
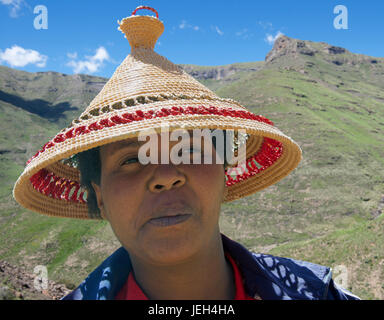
point(142, 31)
point(145, 75)
point(147, 91)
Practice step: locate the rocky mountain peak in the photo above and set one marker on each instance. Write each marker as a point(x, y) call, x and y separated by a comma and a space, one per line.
point(283, 46)
point(289, 47)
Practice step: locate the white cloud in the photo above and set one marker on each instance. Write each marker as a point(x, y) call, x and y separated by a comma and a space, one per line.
point(15, 6)
point(271, 39)
point(20, 57)
point(72, 55)
point(240, 33)
point(265, 25)
point(244, 34)
point(91, 64)
point(101, 54)
point(218, 31)
point(184, 25)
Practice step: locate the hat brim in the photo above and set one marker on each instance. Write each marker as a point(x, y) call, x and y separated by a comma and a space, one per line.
point(61, 195)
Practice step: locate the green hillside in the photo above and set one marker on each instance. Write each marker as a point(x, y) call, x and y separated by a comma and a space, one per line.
point(328, 211)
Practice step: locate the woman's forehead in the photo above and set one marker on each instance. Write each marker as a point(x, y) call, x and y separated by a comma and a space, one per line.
point(134, 142)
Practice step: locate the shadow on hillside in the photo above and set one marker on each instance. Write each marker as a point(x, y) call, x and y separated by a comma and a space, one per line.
point(39, 107)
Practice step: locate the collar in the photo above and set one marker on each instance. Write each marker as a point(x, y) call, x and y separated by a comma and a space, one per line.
point(132, 291)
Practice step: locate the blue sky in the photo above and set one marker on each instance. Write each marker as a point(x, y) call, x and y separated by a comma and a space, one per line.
point(82, 35)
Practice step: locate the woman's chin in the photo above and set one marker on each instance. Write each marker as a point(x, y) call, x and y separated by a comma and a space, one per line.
point(171, 251)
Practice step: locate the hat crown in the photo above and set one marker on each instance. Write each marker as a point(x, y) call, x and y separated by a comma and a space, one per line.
point(145, 73)
point(142, 31)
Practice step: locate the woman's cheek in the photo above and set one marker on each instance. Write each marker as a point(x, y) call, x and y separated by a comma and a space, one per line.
point(120, 192)
point(208, 183)
point(208, 176)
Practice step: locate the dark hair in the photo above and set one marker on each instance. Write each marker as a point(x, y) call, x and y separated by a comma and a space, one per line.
point(89, 165)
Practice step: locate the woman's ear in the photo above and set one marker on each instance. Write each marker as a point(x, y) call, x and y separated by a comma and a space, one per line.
point(99, 199)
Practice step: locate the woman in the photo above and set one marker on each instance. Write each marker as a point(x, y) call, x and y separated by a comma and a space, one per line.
point(166, 213)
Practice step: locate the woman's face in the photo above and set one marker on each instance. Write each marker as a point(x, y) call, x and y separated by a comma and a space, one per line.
point(161, 213)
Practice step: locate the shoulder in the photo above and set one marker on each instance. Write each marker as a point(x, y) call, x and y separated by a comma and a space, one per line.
point(106, 280)
point(293, 279)
point(297, 279)
point(273, 277)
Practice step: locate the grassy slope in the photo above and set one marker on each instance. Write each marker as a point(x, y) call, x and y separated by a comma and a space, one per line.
point(54, 96)
point(26, 238)
point(338, 186)
point(357, 247)
point(318, 213)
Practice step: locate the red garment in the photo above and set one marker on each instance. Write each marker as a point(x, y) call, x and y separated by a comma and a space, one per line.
point(240, 291)
point(132, 291)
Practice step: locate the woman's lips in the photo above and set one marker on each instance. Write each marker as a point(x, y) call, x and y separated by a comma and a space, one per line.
point(169, 220)
point(169, 215)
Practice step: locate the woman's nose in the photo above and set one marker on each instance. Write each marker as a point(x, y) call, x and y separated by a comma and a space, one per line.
point(166, 177)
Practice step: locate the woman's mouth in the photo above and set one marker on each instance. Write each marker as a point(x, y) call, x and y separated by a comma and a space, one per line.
point(169, 220)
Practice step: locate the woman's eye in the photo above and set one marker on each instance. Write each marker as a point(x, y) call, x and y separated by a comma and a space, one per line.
point(130, 161)
point(189, 150)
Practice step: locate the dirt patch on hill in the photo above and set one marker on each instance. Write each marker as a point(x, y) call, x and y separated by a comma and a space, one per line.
point(16, 284)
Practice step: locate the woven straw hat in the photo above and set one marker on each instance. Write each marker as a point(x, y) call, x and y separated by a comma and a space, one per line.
point(145, 92)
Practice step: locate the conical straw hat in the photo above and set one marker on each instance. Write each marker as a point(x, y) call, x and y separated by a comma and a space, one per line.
point(147, 91)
